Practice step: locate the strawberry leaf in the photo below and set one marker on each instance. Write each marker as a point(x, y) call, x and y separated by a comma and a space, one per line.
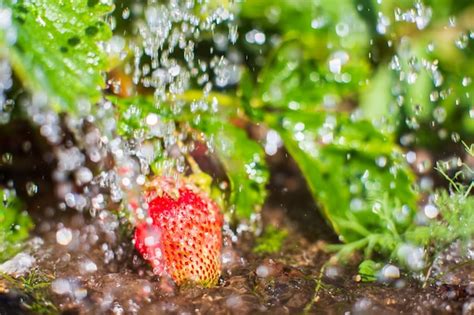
point(132, 113)
point(353, 171)
point(244, 162)
point(295, 68)
point(53, 47)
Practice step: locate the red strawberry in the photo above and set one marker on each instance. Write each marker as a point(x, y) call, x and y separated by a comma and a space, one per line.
point(182, 237)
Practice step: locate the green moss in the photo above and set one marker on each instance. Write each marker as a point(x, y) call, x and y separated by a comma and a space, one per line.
point(271, 241)
point(35, 286)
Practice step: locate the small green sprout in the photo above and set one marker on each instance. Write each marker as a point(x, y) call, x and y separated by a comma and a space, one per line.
point(271, 241)
point(368, 270)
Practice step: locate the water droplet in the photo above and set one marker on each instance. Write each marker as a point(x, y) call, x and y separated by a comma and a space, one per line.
point(452, 21)
point(233, 33)
point(318, 22)
point(466, 81)
point(381, 161)
point(125, 13)
point(7, 158)
point(5, 18)
point(412, 256)
point(64, 236)
point(61, 287)
point(395, 63)
point(431, 211)
point(262, 271)
point(19, 265)
point(255, 37)
point(390, 272)
point(462, 41)
point(174, 70)
point(84, 175)
point(377, 207)
point(273, 142)
point(356, 204)
point(335, 65)
point(440, 114)
point(434, 96)
point(420, 15)
point(234, 302)
point(430, 47)
point(152, 119)
point(342, 29)
point(31, 189)
point(426, 183)
point(455, 137)
point(383, 23)
point(411, 157)
point(88, 266)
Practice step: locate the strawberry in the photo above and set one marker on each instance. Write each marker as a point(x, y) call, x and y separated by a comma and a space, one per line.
point(182, 236)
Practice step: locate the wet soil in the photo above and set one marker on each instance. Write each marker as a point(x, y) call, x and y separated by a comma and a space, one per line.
point(283, 283)
point(101, 273)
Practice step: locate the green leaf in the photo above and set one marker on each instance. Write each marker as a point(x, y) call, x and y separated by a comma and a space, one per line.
point(296, 74)
point(355, 173)
point(376, 99)
point(56, 49)
point(299, 77)
point(244, 163)
point(312, 20)
point(15, 224)
point(132, 113)
point(418, 82)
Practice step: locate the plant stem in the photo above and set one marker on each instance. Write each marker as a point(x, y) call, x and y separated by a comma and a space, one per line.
point(319, 284)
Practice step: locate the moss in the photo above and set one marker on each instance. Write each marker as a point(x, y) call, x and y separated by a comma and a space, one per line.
point(271, 240)
point(35, 286)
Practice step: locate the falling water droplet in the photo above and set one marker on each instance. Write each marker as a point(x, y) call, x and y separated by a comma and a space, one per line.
point(455, 137)
point(31, 189)
point(462, 41)
point(64, 236)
